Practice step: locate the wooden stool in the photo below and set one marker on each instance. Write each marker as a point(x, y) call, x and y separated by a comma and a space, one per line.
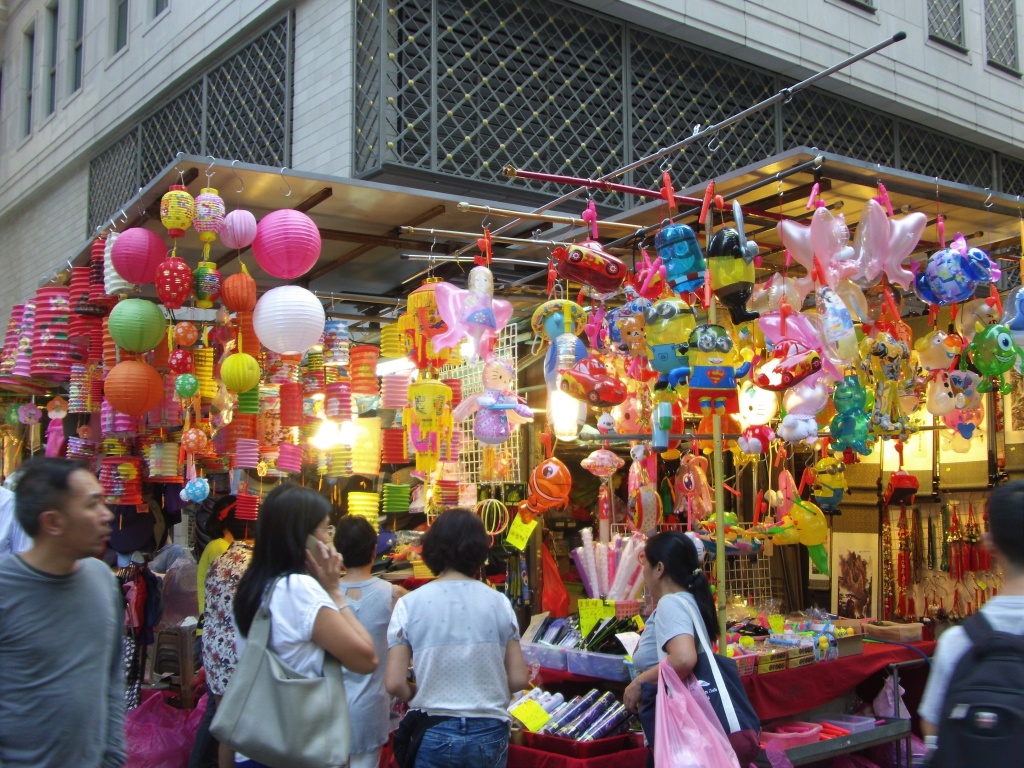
point(174, 654)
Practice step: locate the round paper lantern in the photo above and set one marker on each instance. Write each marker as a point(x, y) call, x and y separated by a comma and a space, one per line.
point(185, 334)
point(209, 215)
point(289, 319)
point(206, 282)
point(173, 282)
point(238, 292)
point(193, 440)
point(186, 386)
point(177, 210)
point(240, 372)
point(238, 230)
point(136, 325)
point(180, 361)
point(133, 387)
point(136, 253)
point(287, 244)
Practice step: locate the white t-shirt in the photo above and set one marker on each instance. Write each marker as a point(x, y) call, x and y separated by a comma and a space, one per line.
point(458, 631)
point(1003, 613)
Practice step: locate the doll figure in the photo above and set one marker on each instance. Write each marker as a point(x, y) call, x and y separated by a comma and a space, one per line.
point(498, 408)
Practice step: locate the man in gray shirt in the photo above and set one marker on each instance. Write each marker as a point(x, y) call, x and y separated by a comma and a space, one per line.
point(61, 619)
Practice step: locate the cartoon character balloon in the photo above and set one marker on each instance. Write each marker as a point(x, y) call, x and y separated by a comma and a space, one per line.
point(802, 404)
point(849, 428)
point(730, 261)
point(499, 410)
point(681, 258)
point(693, 492)
point(473, 314)
point(549, 487)
point(428, 421)
point(952, 274)
point(756, 408)
point(711, 369)
point(829, 484)
point(938, 350)
point(668, 325)
point(993, 352)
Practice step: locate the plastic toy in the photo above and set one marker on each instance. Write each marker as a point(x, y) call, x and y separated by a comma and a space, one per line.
point(802, 403)
point(549, 487)
point(789, 363)
point(887, 360)
point(498, 408)
point(938, 350)
point(829, 484)
point(589, 380)
point(649, 277)
point(818, 247)
point(730, 261)
point(644, 503)
point(767, 296)
point(693, 492)
point(799, 327)
point(756, 408)
point(428, 421)
point(993, 352)
point(711, 370)
point(681, 257)
point(668, 325)
point(940, 398)
point(952, 274)
point(881, 245)
point(986, 311)
point(1016, 323)
point(781, 499)
point(602, 463)
point(553, 319)
point(590, 264)
point(849, 428)
point(965, 421)
point(836, 324)
point(473, 314)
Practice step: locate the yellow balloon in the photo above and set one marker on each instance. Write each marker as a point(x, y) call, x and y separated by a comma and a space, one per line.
point(810, 523)
point(789, 533)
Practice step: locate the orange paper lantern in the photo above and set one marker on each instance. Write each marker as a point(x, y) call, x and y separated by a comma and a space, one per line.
point(133, 388)
point(238, 292)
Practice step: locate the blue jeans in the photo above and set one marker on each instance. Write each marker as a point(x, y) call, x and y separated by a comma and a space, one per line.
point(465, 742)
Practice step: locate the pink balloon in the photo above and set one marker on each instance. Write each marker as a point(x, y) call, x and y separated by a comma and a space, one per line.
point(238, 229)
point(830, 239)
point(473, 313)
point(904, 235)
point(800, 328)
point(870, 245)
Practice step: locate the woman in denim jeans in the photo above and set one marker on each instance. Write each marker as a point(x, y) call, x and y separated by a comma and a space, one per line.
point(464, 640)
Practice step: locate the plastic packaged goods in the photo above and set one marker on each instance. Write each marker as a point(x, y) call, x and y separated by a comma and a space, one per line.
point(607, 724)
point(576, 727)
point(579, 704)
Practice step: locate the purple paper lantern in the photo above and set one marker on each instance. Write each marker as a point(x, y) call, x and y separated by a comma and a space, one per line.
point(287, 244)
point(136, 253)
point(238, 229)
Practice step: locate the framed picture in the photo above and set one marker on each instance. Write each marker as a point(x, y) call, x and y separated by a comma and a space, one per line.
point(855, 575)
point(1013, 410)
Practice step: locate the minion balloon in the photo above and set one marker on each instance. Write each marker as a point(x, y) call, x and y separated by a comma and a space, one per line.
point(730, 261)
point(711, 371)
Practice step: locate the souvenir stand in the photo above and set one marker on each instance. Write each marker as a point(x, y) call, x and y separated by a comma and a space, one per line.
point(737, 369)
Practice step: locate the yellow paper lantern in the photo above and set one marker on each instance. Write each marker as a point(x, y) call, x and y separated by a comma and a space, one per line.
point(240, 372)
point(177, 210)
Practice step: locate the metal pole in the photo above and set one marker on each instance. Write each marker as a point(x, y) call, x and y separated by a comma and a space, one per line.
point(784, 95)
point(552, 217)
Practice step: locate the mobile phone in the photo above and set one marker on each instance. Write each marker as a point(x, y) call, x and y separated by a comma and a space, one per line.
point(313, 545)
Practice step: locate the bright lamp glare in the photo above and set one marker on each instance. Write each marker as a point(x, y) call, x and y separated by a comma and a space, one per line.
point(562, 413)
point(327, 436)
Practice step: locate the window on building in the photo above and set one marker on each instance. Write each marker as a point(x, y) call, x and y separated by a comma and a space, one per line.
point(28, 80)
point(946, 22)
point(120, 24)
point(77, 43)
point(1001, 34)
point(51, 59)
point(159, 6)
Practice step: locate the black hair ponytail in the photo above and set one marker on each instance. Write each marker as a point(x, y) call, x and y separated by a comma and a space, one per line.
point(678, 554)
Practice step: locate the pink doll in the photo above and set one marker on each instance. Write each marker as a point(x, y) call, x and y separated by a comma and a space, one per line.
point(694, 492)
point(498, 408)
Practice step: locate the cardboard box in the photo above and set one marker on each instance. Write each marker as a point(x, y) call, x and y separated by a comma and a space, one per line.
point(850, 645)
point(889, 630)
point(800, 657)
point(772, 661)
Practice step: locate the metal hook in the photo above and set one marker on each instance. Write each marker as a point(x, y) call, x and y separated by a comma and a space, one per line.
point(665, 166)
point(124, 216)
point(142, 208)
point(178, 168)
point(207, 171)
point(717, 145)
point(988, 200)
point(289, 192)
point(241, 184)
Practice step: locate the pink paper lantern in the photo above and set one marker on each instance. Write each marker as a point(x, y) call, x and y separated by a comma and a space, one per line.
point(136, 253)
point(287, 244)
point(238, 229)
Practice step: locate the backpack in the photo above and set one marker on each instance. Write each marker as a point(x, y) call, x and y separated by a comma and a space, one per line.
point(983, 712)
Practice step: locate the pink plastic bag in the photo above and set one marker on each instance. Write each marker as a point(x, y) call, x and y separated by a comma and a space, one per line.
point(687, 733)
point(159, 735)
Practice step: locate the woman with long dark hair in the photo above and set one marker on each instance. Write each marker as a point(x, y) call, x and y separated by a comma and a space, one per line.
point(309, 615)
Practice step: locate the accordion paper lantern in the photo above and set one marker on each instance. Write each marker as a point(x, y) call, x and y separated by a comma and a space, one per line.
point(240, 372)
point(113, 283)
point(366, 446)
point(133, 387)
point(238, 292)
point(135, 254)
point(209, 218)
point(177, 210)
point(363, 370)
point(238, 230)
point(339, 462)
point(391, 344)
point(249, 401)
point(289, 319)
point(393, 446)
point(287, 244)
point(247, 453)
point(248, 341)
point(338, 401)
point(137, 325)
point(97, 290)
point(204, 372)
point(206, 282)
point(396, 498)
point(395, 390)
point(289, 458)
point(291, 404)
point(247, 506)
point(365, 505)
point(336, 343)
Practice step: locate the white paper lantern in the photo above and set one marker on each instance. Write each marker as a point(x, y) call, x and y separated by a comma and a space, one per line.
point(289, 319)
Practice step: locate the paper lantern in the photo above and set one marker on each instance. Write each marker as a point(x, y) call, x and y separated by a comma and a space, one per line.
point(249, 401)
point(291, 404)
point(177, 210)
point(287, 244)
point(133, 387)
point(289, 319)
point(209, 218)
point(181, 361)
point(186, 386)
point(248, 341)
point(206, 283)
point(136, 325)
point(135, 254)
point(239, 229)
point(240, 372)
point(289, 458)
point(113, 283)
point(173, 282)
point(336, 343)
point(428, 421)
point(185, 334)
point(193, 440)
point(238, 292)
point(366, 446)
point(338, 401)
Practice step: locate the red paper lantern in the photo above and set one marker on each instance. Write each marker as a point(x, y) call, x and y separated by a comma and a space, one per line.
point(136, 254)
point(133, 388)
point(173, 282)
point(291, 404)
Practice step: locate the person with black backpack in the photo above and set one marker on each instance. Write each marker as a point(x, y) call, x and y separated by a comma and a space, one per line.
point(973, 704)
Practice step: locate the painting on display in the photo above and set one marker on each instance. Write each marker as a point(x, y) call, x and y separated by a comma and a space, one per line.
point(855, 575)
point(1013, 410)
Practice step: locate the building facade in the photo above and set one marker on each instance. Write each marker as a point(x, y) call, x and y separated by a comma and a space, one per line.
point(98, 96)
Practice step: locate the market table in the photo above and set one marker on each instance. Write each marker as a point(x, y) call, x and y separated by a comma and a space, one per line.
point(791, 691)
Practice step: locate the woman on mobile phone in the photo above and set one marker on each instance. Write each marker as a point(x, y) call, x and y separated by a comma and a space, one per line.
point(309, 615)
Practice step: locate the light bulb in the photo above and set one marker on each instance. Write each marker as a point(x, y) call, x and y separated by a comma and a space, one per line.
point(327, 436)
point(563, 411)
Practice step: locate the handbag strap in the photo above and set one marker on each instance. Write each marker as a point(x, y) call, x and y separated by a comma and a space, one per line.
point(259, 630)
point(702, 635)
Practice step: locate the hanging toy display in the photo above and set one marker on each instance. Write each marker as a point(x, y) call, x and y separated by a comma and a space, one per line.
point(711, 369)
point(829, 484)
point(668, 325)
point(681, 258)
point(560, 322)
point(993, 352)
point(428, 422)
point(498, 409)
point(952, 274)
point(473, 314)
point(938, 350)
point(730, 260)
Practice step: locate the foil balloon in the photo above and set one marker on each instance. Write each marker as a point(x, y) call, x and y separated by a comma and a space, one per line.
point(473, 314)
point(681, 258)
point(938, 350)
point(952, 274)
point(602, 463)
point(799, 327)
point(849, 428)
point(499, 410)
point(802, 403)
point(993, 352)
point(549, 487)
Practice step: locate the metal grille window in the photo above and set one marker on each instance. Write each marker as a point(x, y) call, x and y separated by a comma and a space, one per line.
point(239, 109)
point(935, 154)
point(51, 59)
point(28, 79)
point(77, 40)
point(120, 19)
point(946, 22)
point(817, 119)
point(1001, 34)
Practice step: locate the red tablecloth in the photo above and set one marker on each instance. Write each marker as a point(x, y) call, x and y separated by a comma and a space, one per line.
point(785, 693)
point(524, 757)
